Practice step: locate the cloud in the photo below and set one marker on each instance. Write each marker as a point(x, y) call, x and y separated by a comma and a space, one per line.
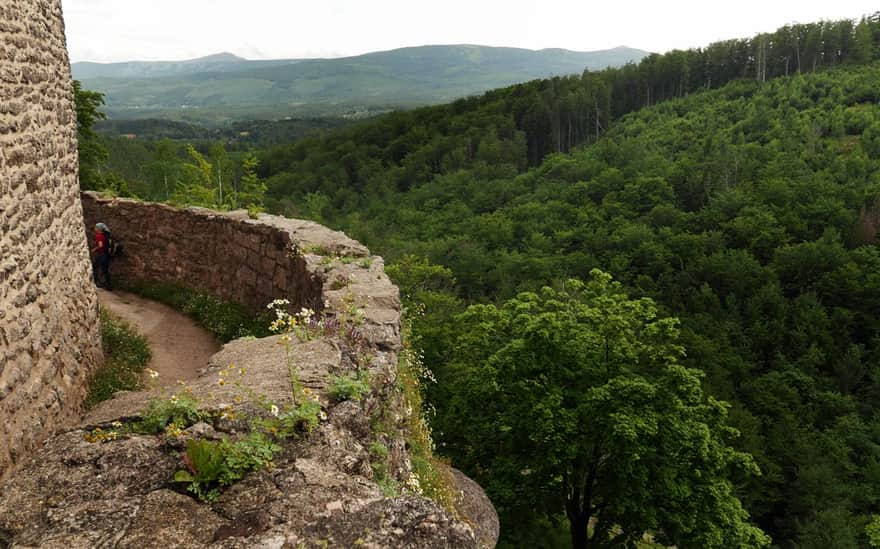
point(108, 30)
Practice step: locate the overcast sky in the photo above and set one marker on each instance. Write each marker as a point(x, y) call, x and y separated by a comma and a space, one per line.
point(121, 30)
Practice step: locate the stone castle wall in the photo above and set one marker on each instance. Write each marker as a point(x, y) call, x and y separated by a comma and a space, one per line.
point(229, 256)
point(49, 338)
point(249, 261)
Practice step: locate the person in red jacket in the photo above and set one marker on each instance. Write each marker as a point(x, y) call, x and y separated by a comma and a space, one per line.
point(102, 256)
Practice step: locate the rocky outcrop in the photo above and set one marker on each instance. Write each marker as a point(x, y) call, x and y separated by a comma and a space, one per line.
point(49, 340)
point(322, 488)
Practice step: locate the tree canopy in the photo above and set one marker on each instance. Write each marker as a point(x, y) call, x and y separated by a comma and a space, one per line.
point(576, 396)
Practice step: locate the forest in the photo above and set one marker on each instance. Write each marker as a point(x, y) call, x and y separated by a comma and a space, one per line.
point(649, 295)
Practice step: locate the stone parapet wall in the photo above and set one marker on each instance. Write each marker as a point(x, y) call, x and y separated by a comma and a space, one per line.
point(250, 261)
point(49, 337)
point(232, 257)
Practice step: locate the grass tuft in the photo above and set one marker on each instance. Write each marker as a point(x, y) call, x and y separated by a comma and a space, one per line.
point(224, 319)
point(126, 354)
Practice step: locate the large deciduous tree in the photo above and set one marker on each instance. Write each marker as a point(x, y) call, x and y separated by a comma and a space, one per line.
point(575, 400)
point(91, 152)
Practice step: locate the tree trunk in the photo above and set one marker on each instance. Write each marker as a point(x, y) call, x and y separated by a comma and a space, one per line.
point(578, 528)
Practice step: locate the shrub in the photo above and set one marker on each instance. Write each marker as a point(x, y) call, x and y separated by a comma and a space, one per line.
point(352, 386)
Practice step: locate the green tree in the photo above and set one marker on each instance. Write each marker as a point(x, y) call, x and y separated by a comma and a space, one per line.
point(873, 531)
point(164, 169)
point(195, 188)
point(575, 400)
point(864, 42)
point(91, 152)
point(251, 189)
point(222, 171)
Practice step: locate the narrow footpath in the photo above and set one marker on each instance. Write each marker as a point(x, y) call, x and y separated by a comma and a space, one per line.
point(180, 347)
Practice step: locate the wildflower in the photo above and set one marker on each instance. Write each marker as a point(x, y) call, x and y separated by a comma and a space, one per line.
point(307, 391)
point(413, 484)
point(152, 373)
point(116, 424)
point(285, 339)
point(221, 382)
point(322, 415)
point(173, 399)
point(173, 430)
point(242, 371)
point(274, 410)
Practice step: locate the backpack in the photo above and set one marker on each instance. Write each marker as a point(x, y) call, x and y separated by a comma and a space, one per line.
point(114, 247)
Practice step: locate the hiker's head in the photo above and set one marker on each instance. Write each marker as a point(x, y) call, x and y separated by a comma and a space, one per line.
point(100, 227)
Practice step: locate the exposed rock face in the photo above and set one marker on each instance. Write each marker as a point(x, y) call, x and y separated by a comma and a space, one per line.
point(49, 340)
point(322, 489)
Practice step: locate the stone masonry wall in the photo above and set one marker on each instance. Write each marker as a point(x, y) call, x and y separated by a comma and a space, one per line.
point(229, 255)
point(248, 261)
point(49, 339)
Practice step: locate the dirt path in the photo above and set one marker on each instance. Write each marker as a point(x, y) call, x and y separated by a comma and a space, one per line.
point(180, 347)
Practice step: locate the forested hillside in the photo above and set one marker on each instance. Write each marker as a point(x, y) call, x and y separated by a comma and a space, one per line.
point(736, 186)
point(749, 212)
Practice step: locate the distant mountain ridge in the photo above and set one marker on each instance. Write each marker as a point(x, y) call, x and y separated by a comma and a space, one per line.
point(225, 87)
point(218, 62)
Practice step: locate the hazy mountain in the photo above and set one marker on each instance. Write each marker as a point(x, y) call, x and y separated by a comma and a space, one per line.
point(219, 62)
point(223, 86)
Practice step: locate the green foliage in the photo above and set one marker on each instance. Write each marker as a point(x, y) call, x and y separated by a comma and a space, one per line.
point(352, 386)
point(873, 531)
point(126, 354)
point(91, 152)
point(251, 187)
point(294, 420)
point(211, 464)
point(180, 410)
point(380, 462)
point(224, 319)
point(575, 399)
